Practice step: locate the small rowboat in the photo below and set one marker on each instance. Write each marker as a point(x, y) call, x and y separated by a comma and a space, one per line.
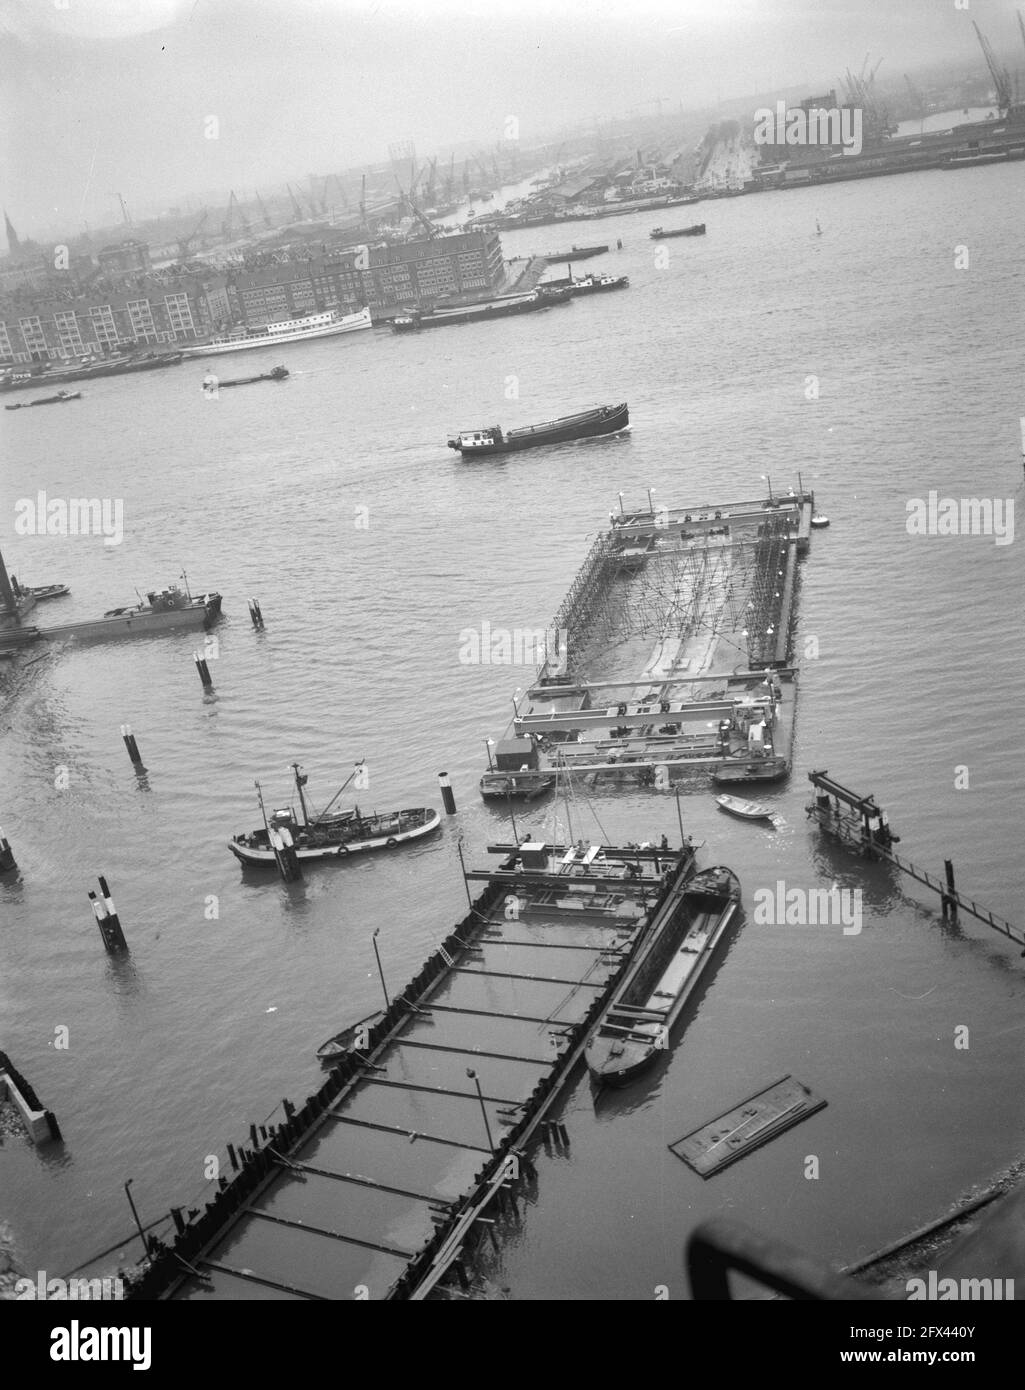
point(744, 810)
point(349, 1040)
point(49, 591)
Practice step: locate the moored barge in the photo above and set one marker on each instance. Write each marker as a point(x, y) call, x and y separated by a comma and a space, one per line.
point(660, 234)
point(541, 298)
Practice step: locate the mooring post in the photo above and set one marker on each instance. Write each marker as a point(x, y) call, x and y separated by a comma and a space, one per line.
point(7, 861)
point(447, 795)
point(256, 614)
point(949, 898)
point(107, 919)
point(132, 746)
point(204, 671)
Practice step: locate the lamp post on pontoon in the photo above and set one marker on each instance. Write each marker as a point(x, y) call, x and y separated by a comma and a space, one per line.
point(380, 971)
point(515, 696)
point(651, 505)
point(622, 511)
point(489, 743)
point(483, 1108)
point(768, 481)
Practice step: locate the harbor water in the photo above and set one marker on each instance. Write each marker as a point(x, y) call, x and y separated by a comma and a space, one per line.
point(872, 360)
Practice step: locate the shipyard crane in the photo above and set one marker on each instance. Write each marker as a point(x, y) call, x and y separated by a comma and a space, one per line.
point(185, 242)
point(917, 100)
point(1001, 77)
point(296, 208)
point(263, 211)
point(232, 216)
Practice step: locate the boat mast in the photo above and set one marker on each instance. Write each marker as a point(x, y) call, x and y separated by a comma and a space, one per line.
point(300, 782)
point(263, 812)
point(338, 793)
point(185, 581)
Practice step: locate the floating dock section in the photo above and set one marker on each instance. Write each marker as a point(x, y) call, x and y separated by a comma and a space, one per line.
point(671, 652)
point(416, 1146)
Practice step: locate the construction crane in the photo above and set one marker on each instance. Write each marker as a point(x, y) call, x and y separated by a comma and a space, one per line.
point(1001, 77)
point(185, 242)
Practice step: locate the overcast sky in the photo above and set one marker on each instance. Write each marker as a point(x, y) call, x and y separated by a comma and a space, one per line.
point(114, 95)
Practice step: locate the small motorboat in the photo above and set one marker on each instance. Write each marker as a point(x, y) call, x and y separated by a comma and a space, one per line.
point(744, 810)
point(349, 1040)
point(652, 995)
point(59, 399)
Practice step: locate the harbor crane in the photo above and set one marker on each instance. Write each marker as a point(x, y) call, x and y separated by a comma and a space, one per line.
point(185, 242)
point(234, 219)
point(1001, 77)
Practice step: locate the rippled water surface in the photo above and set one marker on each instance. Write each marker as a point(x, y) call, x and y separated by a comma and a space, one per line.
point(210, 1021)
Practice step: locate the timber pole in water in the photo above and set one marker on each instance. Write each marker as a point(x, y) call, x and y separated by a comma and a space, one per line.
point(7, 860)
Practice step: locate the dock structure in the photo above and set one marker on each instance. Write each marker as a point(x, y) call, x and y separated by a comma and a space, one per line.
point(413, 1151)
point(671, 652)
point(861, 825)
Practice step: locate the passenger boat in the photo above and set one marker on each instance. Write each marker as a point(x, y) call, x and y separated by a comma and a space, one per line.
point(586, 424)
point(659, 234)
point(744, 810)
point(331, 836)
point(347, 1041)
point(324, 325)
point(648, 1002)
point(211, 382)
point(541, 298)
point(59, 399)
point(577, 253)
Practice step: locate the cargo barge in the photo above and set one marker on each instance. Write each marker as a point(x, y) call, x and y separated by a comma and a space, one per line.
point(538, 299)
point(586, 424)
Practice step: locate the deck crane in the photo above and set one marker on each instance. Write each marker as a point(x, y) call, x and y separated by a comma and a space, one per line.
point(1001, 77)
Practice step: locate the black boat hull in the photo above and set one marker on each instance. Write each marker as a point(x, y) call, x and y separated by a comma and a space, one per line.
point(608, 421)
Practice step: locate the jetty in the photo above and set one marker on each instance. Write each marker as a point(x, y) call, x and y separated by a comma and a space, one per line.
point(671, 653)
point(417, 1147)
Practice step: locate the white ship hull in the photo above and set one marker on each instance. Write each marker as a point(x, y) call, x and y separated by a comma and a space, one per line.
point(352, 323)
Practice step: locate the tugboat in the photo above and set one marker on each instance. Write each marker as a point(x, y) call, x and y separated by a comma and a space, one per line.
point(586, 424)
point(660, 235)
point(164, 609)
point(331, 836)
point(650, 999)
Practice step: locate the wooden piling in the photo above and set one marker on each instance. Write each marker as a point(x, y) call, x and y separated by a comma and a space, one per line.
point(204, 671)
point(255, 614)
point(447, 795)
point(132, 746)
point(107, 919)
point(949, 900)
point(7, 860)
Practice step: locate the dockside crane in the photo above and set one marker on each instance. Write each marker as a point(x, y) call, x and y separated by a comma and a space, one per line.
point(185, 242)
point(263, 211)
point(1001, 77)
point(296, 208)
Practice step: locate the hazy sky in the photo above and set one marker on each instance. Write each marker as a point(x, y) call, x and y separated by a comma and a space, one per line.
point(115, 95)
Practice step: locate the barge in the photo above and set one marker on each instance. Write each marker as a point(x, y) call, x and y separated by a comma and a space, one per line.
point(164, 610)
point(59, 399)
point(538, 299)
point(586, 424)
point(647, 1005)
point(660, 234)
point(87, 371)
point(576, 253)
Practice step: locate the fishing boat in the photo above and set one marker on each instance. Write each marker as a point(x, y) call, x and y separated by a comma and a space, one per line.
point(577, 253)
point(58, 399)
point(660, 234)
point(541, 298)
point(212, 382)
point(650, 999)
point(586, 424)
point(348, 1040)
point(744, 810)
point(330, 836)
point(325, 325)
